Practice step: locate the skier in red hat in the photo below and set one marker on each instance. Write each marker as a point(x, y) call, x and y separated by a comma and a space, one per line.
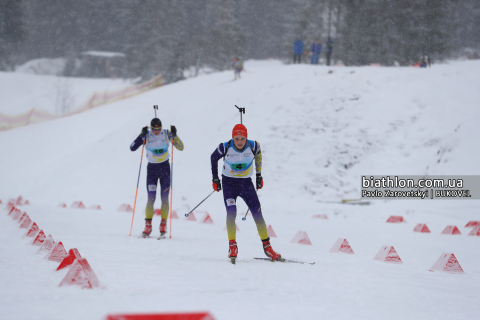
point(238, 155)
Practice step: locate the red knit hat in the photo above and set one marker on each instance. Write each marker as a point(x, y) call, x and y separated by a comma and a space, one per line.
point(239, 130)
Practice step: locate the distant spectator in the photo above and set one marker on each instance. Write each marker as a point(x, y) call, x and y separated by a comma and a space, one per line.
point(297, 50)
point(425, 61)
point(329, 50)
point(238, 66)
point(316, 49)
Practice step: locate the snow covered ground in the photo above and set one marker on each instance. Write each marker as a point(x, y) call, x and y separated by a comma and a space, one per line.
point(22, 92)
point(320, 129)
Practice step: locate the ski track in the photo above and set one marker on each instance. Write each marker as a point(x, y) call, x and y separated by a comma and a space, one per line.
point(319, 133)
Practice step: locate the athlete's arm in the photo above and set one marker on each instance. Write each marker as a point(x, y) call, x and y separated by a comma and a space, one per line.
point(216, 155)
point(137, 143)
point(176, 141)
point(258, 158)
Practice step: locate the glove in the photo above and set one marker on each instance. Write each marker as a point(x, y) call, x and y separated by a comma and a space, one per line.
point(259, 181)
point(217, 185)
point(173, 130)
point(144, 132)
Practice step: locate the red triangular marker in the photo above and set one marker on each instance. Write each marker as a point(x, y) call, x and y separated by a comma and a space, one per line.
point(174, 214)
point(447, 263)
point(33, 230)
point(58, 253)
point(68, 260)
point(388, 254)
point(320, 216)
point(191, 217)
point(39, 239)
point(395, 219)
point(81, 274)
point(62, 205)
point(207, 219)
point(26, 222)
point(302, 238)
point(341, 245)
point(23, 216)
point(47, 245)
point(12, 209)
point(475, 231)
point(78, 205)
point(421, 227)
point(472, 224)
point(17, 214)
point(270, 232)
point(451, 230)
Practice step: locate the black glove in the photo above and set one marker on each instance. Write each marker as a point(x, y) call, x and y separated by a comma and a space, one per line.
point(259, 181)
point(144, 132)
point(173, 130)
point(217, 185)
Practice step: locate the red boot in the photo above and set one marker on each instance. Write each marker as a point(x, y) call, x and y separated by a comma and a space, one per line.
point(233, 251)
point(267, 247)
point(148, 228)
point(163, 227)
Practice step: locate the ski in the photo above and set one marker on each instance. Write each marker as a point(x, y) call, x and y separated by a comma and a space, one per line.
point(285, 261)
point(162, 237)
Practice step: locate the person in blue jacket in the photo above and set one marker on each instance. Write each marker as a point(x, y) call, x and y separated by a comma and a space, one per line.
point(316, 49)
point(157, 141)
point(239, 157)
point(297, 50)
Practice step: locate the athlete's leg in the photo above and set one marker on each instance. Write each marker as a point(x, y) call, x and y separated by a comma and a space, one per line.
point(250, 197)
point(230, 194)
point(152, 179)
point(165, 187)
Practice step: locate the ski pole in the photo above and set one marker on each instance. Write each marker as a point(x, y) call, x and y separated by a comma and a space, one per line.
point(171, 193)
point(136, 192)
point(245, 218)
point(241, 110)
point(187, 214)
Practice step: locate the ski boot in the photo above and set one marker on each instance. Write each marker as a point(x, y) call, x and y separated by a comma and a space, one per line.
point(233, 251)
point(148, 228)
point(163, 227)
point(267, 248)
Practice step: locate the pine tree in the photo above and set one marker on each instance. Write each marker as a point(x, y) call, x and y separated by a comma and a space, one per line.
point(12, 32)
point(224, 39)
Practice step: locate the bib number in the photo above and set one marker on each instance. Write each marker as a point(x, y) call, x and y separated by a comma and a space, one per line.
point(238, 166)
point(158, 151)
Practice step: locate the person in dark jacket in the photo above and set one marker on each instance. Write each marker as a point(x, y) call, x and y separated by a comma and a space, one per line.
point(425, 61)
point(297, 50)
point(329, 50)
point(316, 49)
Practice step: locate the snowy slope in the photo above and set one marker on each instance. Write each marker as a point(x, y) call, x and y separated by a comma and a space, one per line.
point(319, 132)
point(22, 92)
